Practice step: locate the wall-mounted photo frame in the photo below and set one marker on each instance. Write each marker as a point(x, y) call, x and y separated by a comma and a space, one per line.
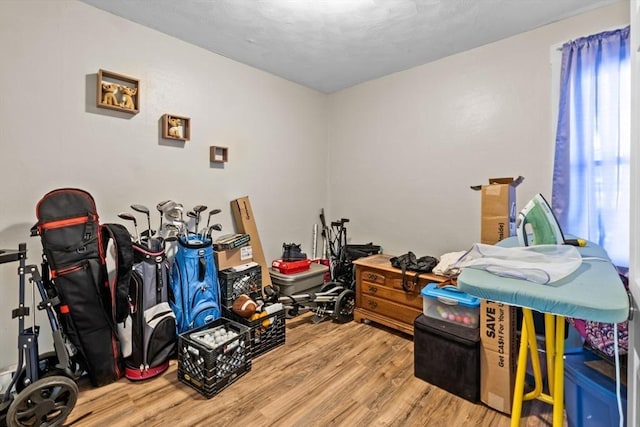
point(176, 127)
point(118, 92)
point(218, 154)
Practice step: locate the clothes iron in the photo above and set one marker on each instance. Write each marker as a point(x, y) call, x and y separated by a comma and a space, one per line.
point(536, 224)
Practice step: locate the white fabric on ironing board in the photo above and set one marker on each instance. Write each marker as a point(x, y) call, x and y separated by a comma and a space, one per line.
point(539, 264)
point(593, 292)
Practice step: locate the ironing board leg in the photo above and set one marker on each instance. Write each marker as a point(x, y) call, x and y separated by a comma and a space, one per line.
point(558, 384)
point(550, 339)
point(518, 392)
point(555, 349)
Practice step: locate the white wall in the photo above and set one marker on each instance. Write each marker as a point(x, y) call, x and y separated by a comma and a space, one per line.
point(404, 149)
point(52, 134)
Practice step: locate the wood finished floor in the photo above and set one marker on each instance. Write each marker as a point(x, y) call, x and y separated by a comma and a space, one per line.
point(326, 374)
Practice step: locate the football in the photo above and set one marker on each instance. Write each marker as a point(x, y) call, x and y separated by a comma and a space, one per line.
point(244, 306)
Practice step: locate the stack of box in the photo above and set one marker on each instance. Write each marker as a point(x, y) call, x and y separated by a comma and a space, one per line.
point(497, 321)
point(447, 341)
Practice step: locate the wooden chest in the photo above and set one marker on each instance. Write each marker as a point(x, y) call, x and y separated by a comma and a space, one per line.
point(380, 296)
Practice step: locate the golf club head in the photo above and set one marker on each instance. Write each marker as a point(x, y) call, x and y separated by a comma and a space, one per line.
point(199, 208)
point(214, 211)
point(192, 214)
point(173, 214)
point(128, 217)
point(161, 204)
point(172, 238)
point(147, 233)
point(166, 206)
point(216, 227)
point(169, 230)
point(140, 208)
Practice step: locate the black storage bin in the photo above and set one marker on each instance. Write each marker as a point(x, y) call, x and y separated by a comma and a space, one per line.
point(448, 356)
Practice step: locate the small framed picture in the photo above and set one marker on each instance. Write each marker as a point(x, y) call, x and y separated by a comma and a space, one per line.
point(176, 127)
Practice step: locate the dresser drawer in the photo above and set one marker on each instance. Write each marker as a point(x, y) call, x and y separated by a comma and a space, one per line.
point(390, 309)
point(394, 280)
point(373, 276)
point(411, 299)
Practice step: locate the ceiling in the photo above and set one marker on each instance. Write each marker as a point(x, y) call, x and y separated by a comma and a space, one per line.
point(330, 45)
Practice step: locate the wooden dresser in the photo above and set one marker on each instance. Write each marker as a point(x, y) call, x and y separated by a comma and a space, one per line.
point(380, 296)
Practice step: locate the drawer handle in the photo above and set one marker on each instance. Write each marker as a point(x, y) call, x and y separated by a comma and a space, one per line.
point(372, 277)
point(373, 289)
point(372, 304)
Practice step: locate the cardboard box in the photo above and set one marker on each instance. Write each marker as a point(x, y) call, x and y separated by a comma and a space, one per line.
point(498, 209)
point(246, 223)
point(498, 354)
point(233, 257)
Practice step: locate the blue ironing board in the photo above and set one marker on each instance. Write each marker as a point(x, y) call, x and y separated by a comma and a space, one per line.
point(593, 292)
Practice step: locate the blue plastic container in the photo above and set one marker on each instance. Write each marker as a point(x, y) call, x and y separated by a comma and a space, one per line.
point(590, 397)
point(450, 305)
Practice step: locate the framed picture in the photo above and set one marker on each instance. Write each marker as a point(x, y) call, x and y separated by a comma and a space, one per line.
point(118, 92)
point(176, 127)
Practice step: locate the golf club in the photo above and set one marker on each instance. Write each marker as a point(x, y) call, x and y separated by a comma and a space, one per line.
point(144, 210)
point(192, 214)
point(160, 207)
point(128, 217)
point(216, 227)
point(211, 213)
point(198, 209)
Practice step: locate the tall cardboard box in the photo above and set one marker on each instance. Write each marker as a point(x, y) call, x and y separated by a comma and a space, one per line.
point(498, 355)
point(246, 223)
point(498, 351)
point(498, 209)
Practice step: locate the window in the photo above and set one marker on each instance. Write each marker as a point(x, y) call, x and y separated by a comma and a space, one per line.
point(591, 168)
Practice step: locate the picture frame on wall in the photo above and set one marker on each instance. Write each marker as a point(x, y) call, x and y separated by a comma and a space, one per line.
point(176, 127)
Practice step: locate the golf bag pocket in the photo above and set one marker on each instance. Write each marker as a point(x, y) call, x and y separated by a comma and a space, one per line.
point(85, 320)
point(160, 328)
point(195, 291)
point(71, 240)
point(125, 337)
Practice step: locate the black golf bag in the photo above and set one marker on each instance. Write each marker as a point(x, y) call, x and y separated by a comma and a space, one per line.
point(153, 324)
point(195, 290)
point(74, 266)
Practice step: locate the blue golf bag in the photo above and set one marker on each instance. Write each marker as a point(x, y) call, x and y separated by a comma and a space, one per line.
point(194, 292)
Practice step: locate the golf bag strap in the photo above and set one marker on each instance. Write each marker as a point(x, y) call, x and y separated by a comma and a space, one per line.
point(202, 268)
point(119, 287)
